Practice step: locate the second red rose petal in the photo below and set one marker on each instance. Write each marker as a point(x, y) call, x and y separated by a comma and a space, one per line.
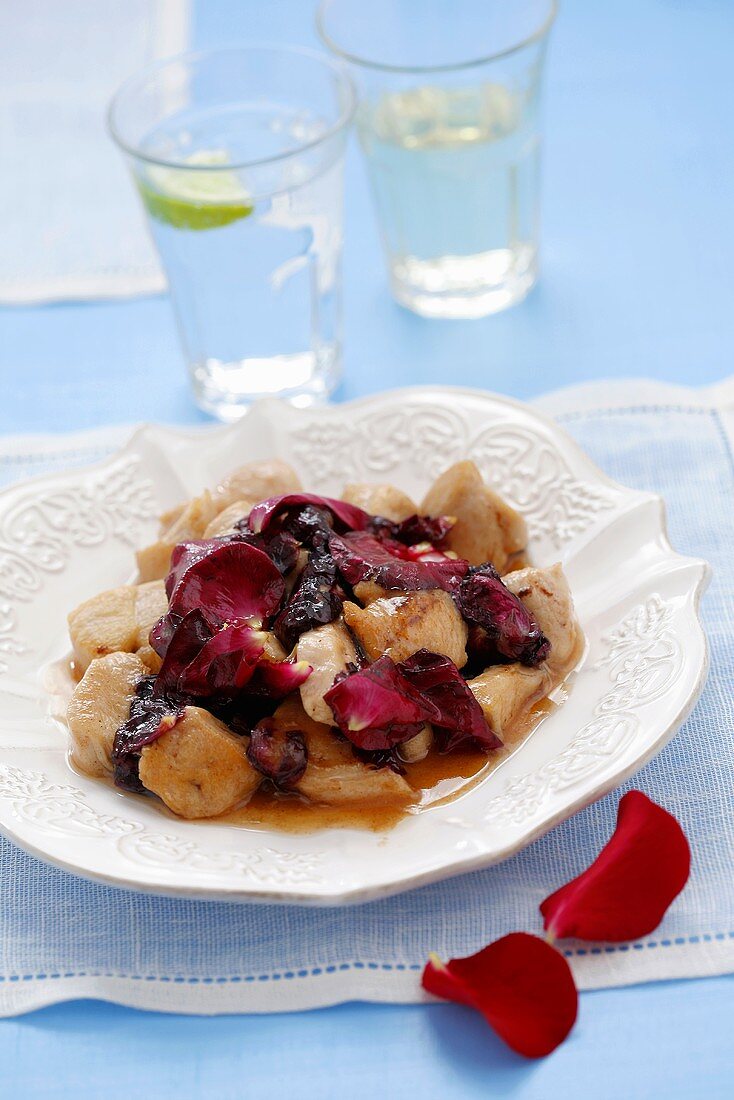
point(522, 986)
point(625, 892)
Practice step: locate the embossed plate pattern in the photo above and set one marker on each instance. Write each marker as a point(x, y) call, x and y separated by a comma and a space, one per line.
point(67, 536)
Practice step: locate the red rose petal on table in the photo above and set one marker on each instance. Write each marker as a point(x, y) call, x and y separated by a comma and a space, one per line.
point(625, 892)
point(521, 985)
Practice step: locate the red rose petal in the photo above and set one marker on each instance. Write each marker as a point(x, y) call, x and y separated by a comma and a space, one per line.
point(521, 985)
point(625, 892)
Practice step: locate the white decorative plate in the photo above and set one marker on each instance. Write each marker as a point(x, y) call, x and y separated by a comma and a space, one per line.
point(65, 537)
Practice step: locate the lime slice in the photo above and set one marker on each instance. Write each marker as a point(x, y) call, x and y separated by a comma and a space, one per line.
point(195, 199)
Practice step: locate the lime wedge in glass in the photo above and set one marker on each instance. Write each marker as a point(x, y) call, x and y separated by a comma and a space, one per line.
point(195, 199)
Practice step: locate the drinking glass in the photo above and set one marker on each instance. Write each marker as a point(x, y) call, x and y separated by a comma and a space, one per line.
point(238, 158)
point(448, 118)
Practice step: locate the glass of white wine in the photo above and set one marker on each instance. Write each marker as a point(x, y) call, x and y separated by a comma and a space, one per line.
point(448, 118)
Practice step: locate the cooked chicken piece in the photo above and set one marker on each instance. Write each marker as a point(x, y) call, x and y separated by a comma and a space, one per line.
point(367, 591)
point(333, 774)
point(194, 519)
point(355, 783)
point(104, 624)
point(99, 706)
point(151, 602)
point(257, 481)
point(507, 692)
point(380, 500)
point(199, 768)
point(224, 523)
point(154, 561)
point(328, 649)
point(169, 517)
point(486, 528)
point(117, 621)
point(273, 650)
point(546, 595)
point(401, 625)
point(418, 747)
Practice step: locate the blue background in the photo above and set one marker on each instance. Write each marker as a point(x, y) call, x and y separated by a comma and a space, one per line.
point(637, 258)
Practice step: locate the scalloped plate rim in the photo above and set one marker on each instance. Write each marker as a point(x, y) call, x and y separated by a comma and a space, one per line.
point(478, 859)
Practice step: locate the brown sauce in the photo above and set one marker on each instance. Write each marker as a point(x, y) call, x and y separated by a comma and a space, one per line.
point(436, 780)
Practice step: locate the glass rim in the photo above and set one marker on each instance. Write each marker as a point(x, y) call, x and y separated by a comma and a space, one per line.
point(344, 119)
point(537, 35)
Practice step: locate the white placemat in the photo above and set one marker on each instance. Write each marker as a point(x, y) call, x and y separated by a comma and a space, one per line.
point(73, 226)
point(61, 937)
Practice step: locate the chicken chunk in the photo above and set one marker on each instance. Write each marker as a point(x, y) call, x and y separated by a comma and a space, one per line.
point(224, 523)
point(151, 603)
point(104, 624)
point(256, 481)
point(401, 625)
point(368, 591)
point(99, 706)
point(354, 783)
point(154, 561)
point(380, 500)
point(168, 518)
point(334, 776)
point(507, 692)
point(486, 528)
point(272, 649)
point(328, 649)
point(117, 621)
point(199, 768)
point(418, 747)
point(546, 595)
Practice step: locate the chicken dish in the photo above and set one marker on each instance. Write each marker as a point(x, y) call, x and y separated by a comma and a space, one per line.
point(286, 657)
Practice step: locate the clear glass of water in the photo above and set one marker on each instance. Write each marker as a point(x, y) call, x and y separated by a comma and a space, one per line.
point(238, 158)
point(448, 118)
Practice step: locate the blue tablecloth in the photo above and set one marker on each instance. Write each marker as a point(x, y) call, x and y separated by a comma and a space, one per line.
point(638, 240)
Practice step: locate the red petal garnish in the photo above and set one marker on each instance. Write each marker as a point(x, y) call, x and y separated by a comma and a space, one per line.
point(226, 580)
point(188, 636)
point(484, 601)
point(439, 680)
point(414, 529)
point(276, 679)
point(348, 516)
point(377, 707)
point(280, 755)
point(625, 892)
point(362, 557)
point(225, 661)
point(521, 985)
